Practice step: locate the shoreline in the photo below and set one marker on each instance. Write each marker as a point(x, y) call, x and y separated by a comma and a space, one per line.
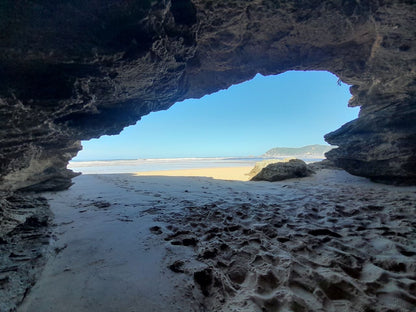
point(146, 165)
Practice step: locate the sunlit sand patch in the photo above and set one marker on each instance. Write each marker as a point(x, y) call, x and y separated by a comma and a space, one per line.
point(226, 173)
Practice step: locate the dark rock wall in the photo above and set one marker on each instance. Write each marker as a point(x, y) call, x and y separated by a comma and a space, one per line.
point(76, 70)
point(24, 239)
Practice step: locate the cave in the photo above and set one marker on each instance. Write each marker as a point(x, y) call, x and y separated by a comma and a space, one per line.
point(75, 70)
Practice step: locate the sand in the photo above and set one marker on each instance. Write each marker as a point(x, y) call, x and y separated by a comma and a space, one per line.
point(329, 242)
point(227, 173)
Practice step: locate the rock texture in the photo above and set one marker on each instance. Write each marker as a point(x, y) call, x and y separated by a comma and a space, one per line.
point(24, 238)
point(280, 170)
point(264, 163)
point(76, 70)
point(323, 164)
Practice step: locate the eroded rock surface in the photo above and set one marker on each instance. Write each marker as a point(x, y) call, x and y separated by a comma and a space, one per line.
point(76, 70)
point(24, 238)
point(279, 170)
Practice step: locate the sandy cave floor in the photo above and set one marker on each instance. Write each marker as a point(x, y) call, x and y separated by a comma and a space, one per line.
point(330, 242)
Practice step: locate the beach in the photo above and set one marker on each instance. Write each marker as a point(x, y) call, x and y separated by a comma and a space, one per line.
point(182, 241)
point(168, 164)
point(160, 164)
point(227, 173)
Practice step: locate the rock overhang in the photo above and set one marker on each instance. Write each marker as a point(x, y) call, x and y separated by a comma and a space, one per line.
point(78, 70)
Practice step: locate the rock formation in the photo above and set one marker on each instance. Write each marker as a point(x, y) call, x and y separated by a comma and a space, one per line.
point(280, 170)
point(24, 238)
point(76, 70)
point(323, 164)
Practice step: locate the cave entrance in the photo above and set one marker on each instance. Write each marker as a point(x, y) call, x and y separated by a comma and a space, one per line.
point(293, 109)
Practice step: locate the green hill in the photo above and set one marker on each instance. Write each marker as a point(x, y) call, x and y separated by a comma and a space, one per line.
point(309, 151)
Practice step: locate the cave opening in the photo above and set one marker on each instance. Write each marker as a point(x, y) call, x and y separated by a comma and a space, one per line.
point(293, 109)
point(74, 70)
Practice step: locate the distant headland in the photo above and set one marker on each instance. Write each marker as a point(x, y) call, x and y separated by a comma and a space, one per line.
point(309, 151)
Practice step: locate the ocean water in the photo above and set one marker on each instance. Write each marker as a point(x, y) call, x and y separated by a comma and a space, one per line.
point(140, 165)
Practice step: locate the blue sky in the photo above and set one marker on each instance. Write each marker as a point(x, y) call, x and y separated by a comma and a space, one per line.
point(289, 110)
